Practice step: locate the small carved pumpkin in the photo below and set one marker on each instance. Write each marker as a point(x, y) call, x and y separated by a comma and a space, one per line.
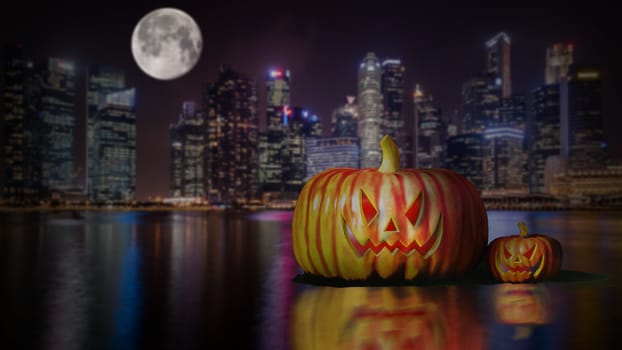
point(524, 258)
point(391, 222)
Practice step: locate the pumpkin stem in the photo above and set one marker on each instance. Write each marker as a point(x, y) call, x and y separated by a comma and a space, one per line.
point(390, 155)
point(523, 229)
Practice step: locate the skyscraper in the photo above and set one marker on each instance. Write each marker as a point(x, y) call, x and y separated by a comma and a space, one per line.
point(582, 139)
point(232, 139)
point(480, 102)
point(393, 98)
point(371, 110)
point(57, 112)
point(114, 146)
point(300, 126)
point(504, 159)
point(344, 121)
point(559, 57)
point(21, 178)
point(545, 133)
point(431, 131)
point(100, 82)
point(546, 114)
point(512, 112)
point(278, 86)
point(498, 62)
point(187, 153)
point(324, 153)
point(465, 154)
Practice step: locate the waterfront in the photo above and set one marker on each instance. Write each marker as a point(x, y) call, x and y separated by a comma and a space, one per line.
point(205, 279)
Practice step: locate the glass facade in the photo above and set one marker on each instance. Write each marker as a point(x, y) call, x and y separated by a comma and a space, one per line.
point(498, 62)
point(21, 177)
point(344, 121)
point(559, 57)
point(431, 131)
point(465, 154)
point(278, 86)
point(300, 126)
point(100, 82)
point(187, 153)
point(232, 161)
point(504, 161)
point(331, 152)
point(480, 102)
point(114, 143)
point(545, 133)
point(57, 112)
point(582, 137)
point(371, 110)
point(393, 98)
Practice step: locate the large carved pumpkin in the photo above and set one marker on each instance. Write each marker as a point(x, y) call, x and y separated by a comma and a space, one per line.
point(389, 222)
point(385, 318)
point(524, 257)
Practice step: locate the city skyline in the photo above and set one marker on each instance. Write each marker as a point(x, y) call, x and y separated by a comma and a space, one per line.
point(303, 41)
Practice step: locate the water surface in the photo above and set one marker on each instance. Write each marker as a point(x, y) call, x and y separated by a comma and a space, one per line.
point(197, 280)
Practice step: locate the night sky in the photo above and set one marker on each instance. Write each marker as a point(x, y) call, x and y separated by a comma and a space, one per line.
point(321, 45)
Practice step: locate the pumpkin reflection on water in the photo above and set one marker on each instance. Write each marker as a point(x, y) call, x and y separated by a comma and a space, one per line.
point(526, 309)
point(522, 304)
point(384, 318)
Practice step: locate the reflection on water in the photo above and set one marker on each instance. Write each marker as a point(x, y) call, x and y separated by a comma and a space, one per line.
point(189, 280)
point(385, 318)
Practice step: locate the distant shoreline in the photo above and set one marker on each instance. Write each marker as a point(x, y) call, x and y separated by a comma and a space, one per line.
point(212, 209)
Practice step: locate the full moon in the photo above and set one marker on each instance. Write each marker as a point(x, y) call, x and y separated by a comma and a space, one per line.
point(166, 43)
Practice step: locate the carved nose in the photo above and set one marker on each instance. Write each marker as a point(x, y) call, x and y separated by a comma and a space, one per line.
point(391, 226)
point(516, 259)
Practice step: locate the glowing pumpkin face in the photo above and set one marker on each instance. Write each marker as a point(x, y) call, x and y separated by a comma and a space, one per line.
point(525, 257)
point(389, 222)
point(403, 225)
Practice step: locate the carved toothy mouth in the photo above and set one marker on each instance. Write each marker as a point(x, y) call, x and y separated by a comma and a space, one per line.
point(425, 250)
point(535, 270)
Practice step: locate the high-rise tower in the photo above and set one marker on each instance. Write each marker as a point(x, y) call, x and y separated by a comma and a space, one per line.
point(393, 98)
point(344, 121)
point(232, 139)
point(57, 112)
point(581, 124)
point(21, 178)
point(431, 131)
point(100, 82)
point(187, 153)
point(559, 57)
point(498, 62)
point(371, 110)
point(114, 146)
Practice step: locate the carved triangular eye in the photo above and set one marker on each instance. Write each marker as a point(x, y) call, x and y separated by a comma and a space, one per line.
point(368, 208)
point(529, 252)
point(412, 213)
point(507, 253)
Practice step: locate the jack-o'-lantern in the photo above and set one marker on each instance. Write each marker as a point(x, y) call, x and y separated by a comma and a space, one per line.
point(383, 318)
point(389, 222)
point(524, 257)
